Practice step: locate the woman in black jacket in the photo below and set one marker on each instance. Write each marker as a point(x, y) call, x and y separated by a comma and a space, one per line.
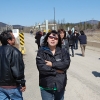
point(52, 62)
point(64, 39)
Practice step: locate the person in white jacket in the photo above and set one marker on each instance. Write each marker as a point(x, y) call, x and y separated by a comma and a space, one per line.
point(42, 38)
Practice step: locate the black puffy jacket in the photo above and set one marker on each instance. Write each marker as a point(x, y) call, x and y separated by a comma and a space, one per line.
point(70, 39)
point(48, 76)
point(11, 66)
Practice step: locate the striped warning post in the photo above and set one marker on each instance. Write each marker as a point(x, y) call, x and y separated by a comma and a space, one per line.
point(22, 43)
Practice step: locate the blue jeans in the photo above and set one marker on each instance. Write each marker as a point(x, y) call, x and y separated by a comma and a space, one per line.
point(10, 94)
point(52, 95)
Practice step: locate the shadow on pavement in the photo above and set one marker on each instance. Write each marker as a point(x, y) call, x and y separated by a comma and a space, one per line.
point(78, 54)
point(99, 58)
point(96, 74)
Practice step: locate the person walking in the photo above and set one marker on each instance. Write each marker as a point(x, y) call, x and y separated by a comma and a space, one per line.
point(64, 39)
point(71, 41)
point(42, 38)
point(38, 37)
point(12, 82)
point(83, 41)
point(52, 62)
point(75, 36)
point(31, 32)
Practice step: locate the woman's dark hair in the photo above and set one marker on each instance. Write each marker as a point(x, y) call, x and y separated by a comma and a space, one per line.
point(9, 31)
point(4, 36)
point(62, 30)
point(54, 32)
point(82, 32)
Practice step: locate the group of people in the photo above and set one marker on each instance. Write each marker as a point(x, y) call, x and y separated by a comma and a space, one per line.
point(69, 40)
point(52, 60)
point(73, 39)
point(39, 37)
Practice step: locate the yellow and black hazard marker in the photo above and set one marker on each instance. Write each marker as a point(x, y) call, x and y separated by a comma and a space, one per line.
point(22, 43)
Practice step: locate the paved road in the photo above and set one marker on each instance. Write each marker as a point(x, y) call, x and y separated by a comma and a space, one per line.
point(83, 74)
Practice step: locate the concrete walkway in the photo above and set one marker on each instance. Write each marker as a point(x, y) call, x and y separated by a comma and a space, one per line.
point(83, 74)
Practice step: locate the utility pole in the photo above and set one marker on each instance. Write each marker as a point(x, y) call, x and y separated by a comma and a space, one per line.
point(54, 18)
point(39, 26)
point(46, 26)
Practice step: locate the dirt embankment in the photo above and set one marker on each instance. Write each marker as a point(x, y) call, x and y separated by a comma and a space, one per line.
point(93, 35)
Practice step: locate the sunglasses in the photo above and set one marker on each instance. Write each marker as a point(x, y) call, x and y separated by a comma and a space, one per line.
point(52, 37)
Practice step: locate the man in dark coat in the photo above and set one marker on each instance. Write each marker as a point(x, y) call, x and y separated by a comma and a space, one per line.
point(75, 36)
point(71, 41)
point(83, 42)
point(38, 37)
point(12, 82)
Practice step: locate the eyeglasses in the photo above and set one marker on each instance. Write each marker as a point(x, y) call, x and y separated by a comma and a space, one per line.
point(52, 37)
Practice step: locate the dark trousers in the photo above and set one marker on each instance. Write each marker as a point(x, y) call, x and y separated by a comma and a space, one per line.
point(38, 46)
point(76, 44)
point(72, 49)
point(52, 95)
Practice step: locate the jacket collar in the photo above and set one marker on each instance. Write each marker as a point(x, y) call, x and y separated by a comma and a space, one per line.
point(47, 50)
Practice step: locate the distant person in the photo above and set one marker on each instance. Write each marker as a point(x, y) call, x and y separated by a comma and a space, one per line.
point(71, 41)
point(52, 62)
point(75, 36)
point(83, 41)
point(31, 32)
point(38, 37)
point(64, 39)
point(42, 38)
point(12, 82)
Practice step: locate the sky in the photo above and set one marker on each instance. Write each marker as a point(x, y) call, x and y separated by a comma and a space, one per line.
point(30, 12)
